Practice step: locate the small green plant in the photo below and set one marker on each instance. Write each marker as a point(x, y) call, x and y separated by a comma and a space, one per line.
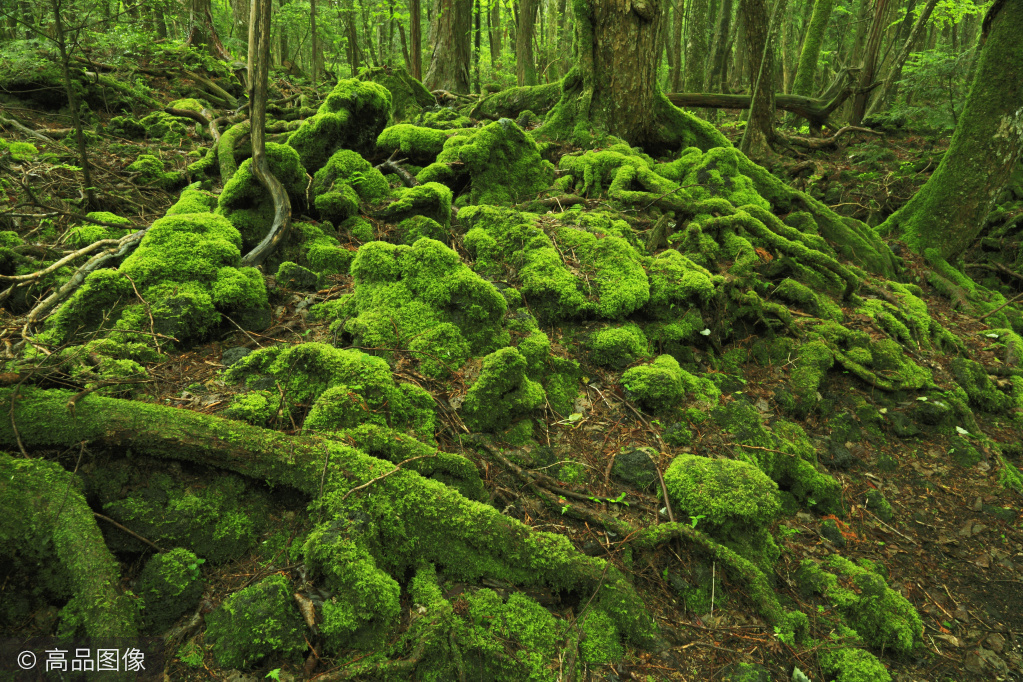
point(274, 674)
point(787, 638)
point(693, 520)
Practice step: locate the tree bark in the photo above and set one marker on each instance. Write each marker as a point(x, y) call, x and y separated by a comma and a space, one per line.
point(948, 212)
point(416, 38)
point(449, 65)
point(869, 66)
point(815, 111)
point(722, 43)
point(259, 69)
point(201, 32)
point(756, 141)
point(696, 46)
point(525, 64)
point(494, 31)
point(806, 72)
point(352, 36)
point(614, 89)
point(675, 48)
point(896, 71)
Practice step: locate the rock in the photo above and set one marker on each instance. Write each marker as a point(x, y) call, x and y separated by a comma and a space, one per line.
point(253, 319)
point(902, 426)
point(293, 276)
point(995, 642)
point(830, 530)
point(839, 456)
point(635, 467)
point(932, 413)
point(233, 355)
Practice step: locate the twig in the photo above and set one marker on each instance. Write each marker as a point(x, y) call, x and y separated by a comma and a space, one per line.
point(251, 337)
point(152, 323)
point(28, 131)
point(130, 532)
point(990, 313)
point(60, 263)
point(396, 469)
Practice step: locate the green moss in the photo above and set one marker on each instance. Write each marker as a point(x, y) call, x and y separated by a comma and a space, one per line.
point(321, 252)
point(403, 292)
point(618, 347)
point(502, 393)
point(877, 504)
point(344, 181)
point(170, 586)
point(408, 96)
point(352, 116)
point(417, 144)
point(255, 407)
point(256, 622)
point(733, 499)
point(172, 130)
point(853, 665)
point(676, 282)
point(661, 386)
point(151, 172)
point(432, 200)
point(878, 614)
point(410, 230)
point(193, 200)
point(983, 393)
point(615, 269)
point(600, 643)
point(294, 276)
point(247, 204)
point(812, 302)
point(815, 359)
point(785, 454)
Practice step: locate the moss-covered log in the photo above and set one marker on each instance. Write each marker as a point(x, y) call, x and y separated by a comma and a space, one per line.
point(511, 102)
point(410, 520)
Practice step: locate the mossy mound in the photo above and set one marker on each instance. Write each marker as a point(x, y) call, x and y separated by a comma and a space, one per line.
point(169, 129)
point(422, 299)
point(417, 144)
point(502, 393)
point(185, 272)
point(502, 162)
point(247, 204)
point(409, 97)
point(662, 385)
point(618, 347)
point(431, 200)
point(345, 181)
point(322, 252)
point(151, 172)
point(351, 117)
point(734, 499)
point(785, 454)
point(256, 622)
point(89, 233)
point(853, 665)
point(880, 616)
point(170, 586)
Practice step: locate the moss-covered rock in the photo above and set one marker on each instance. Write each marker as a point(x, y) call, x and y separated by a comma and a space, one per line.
point(247, 204)
point(170, 586)
point(502, 161)
point(421, 298)
point(661, 386)
point(351, 117)
point(417, 144)
point(502, 393)
point(345, 181)
point(734, 500)
point(618, 347)
point(257, 622)
point(409, 97)
point(255, 407)
point(294, 276)
point(880, 616)
point(431, 200)
point(853, 665)
point(151, 171)
point(86, 234)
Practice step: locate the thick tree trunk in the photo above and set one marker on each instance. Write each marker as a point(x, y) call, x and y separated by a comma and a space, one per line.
point(722, 44)
point(756, 141)
point(240, 18)
point(896, 71)
point(675, 48)
point(948, 212)
point(476, 43)
point(259, 69)
point(416, 31)
point(449, 65)
point(494, 31)
point(869, 66)
point(525, 65)
point(614, 90)
point(201, 32)
point(806, 72)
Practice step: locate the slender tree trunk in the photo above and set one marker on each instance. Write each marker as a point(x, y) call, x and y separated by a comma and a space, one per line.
point(240, 18)
point(675, 48)
point(494, 26)
point(869, 66)
point(476, 36)
point(739, 73)
point(890, 82)
point(201, 32)
point(719, 60)
point(352, 35)
point(525, 67)
point(806, 71)
point(72, 99)
point(416, 29)
point(259, 68)
point(756, 141)
point(449, 65)
point(948, 212)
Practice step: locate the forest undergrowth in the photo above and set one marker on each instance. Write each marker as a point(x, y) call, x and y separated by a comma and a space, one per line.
point(500, 408)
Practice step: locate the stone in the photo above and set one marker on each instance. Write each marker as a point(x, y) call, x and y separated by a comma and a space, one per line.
point(636, 468)
point(233, 355)
point(902, 426)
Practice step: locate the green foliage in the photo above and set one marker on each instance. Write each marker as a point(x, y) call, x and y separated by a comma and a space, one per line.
point(618, 347)
point(934, 84)
point(256, 622)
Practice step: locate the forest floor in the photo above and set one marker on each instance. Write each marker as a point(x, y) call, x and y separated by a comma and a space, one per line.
point(954, 547)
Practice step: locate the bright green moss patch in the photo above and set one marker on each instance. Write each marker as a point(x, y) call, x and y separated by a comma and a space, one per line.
point(408, 96)
point(661, 386)
point(618, 347)
point(853, 665)
point(351, 117)
point(255, 623)
point(344, 181)
point(151, 172)
point(417, 144)
point(255, 407)
point(878, 614)
point(502, 393)
point(431, 200)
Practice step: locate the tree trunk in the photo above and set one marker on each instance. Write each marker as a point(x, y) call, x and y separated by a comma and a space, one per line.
point(449, 65)
point(525, 65)
point(416, 29)
point(316, 70)
point(259, 69)
point(896, 71)
point(675, 48)
point(948, 212)
point(722, 42)
point(756, 141)
point(240, 18)
point(613, 89)
point(476, 37)
point(72, 100)
point(696, 46)
point(869, 65)
point(201, 33)
point(494, 26)
point(806, 72)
